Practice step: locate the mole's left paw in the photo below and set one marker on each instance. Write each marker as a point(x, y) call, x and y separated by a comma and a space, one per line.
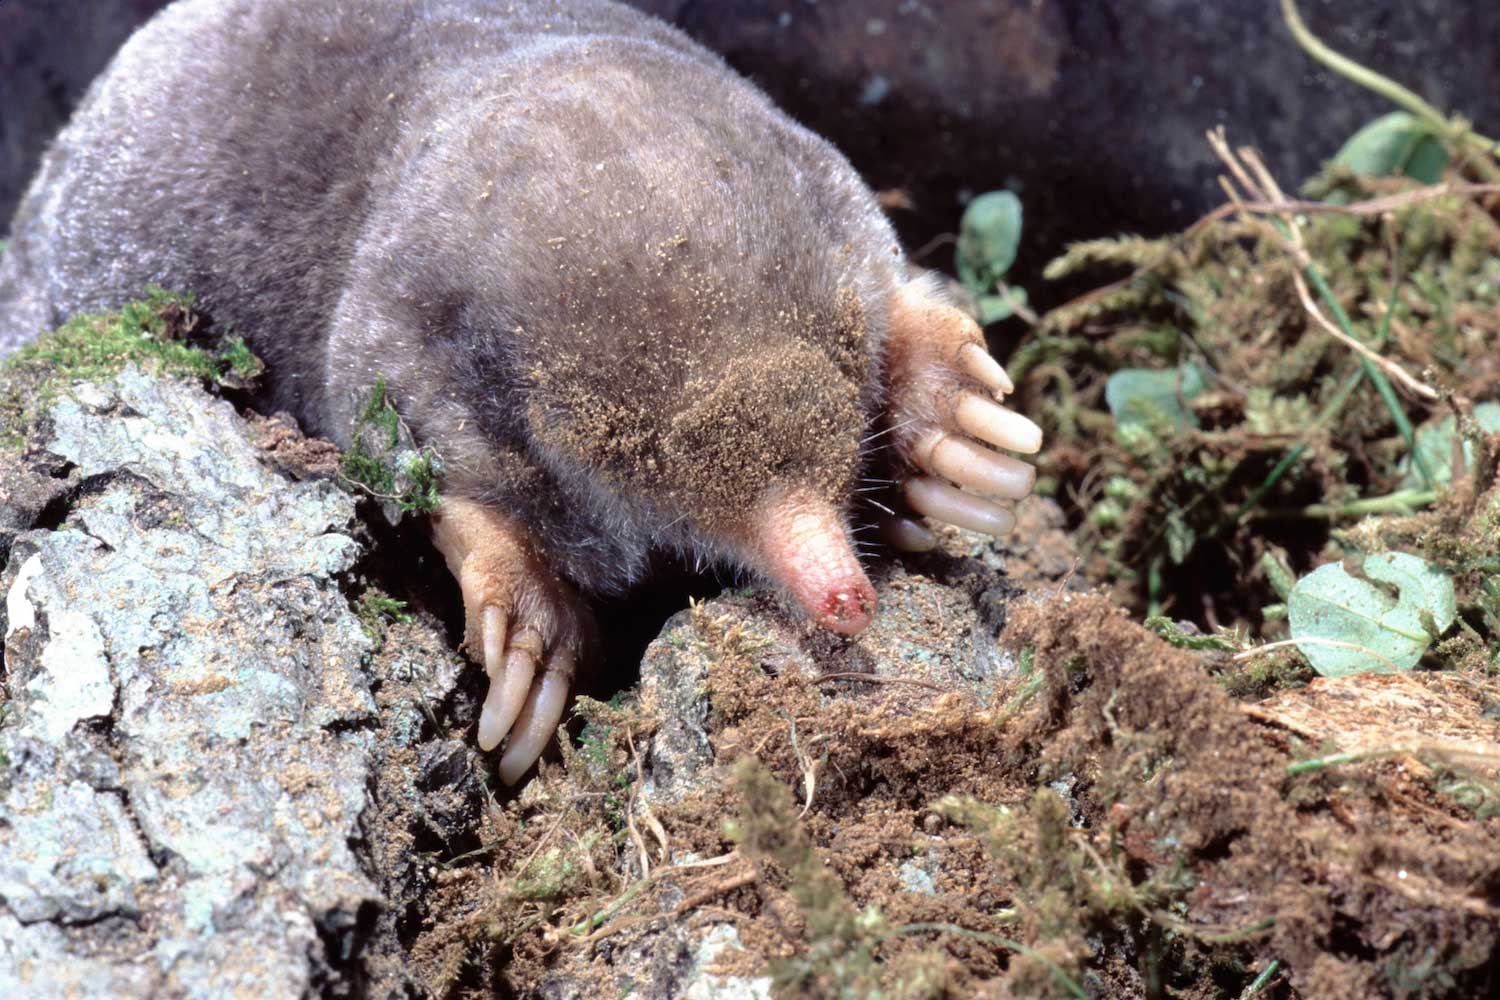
point(522, 622)
point(946, 424)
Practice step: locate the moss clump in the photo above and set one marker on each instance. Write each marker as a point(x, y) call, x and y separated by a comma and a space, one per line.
point(1201, 418)
point(841, 940)
point(383, 461)
point(377, 609)
point(557, 872)
point(161, 332)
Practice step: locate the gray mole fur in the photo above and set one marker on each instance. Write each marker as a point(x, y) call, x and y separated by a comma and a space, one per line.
point(453, 195)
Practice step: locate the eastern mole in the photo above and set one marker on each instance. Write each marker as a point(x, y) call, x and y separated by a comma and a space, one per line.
point(633, 306)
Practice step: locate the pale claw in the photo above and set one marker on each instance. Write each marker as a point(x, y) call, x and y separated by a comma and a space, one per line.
point(907, 535)
point(983, 368)
point(936, 499)
point(538, 721)
point(996, 425)
point(940, 378)
point(507, 694)
point(975, 466)
point(494, 639)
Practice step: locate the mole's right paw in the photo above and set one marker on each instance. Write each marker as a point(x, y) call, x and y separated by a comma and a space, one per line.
point(521, 621)
point(949, 431)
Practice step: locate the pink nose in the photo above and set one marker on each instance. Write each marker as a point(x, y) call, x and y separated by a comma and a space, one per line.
point(804, 546)
point(849, 609)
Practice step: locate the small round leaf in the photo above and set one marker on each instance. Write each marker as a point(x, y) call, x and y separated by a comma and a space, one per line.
point(1153, 397)
point(1435, 443)
point(988, 238)
point(1395, 623)
point(1395, 145)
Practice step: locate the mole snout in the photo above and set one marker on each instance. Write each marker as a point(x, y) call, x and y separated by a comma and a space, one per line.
point(803, 544)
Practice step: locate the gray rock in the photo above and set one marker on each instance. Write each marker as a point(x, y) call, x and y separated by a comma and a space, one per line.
point(928, 629)
point(936, 626)
point(187, 737)
point(704, 985)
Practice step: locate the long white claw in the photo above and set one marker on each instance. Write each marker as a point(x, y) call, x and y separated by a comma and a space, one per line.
point(539, 719)
point(507, 694)
point(942, 502)
point(907, 535)
point(976, 361)
point(972, 465)
point(494, 639)
point(997, 425)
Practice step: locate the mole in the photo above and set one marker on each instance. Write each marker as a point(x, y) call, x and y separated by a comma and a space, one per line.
point(638, 311)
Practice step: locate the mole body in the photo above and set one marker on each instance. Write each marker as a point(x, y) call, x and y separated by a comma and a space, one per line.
point(632, 306)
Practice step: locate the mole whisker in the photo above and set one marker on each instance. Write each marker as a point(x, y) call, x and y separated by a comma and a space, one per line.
point(894, 427)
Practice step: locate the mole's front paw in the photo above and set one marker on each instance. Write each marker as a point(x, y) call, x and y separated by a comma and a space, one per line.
point(521, 621)
point(942, 386)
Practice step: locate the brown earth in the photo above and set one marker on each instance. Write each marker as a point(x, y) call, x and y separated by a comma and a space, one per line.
point(1099, 819)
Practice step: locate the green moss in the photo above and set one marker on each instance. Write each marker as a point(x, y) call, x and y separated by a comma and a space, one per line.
point(239, 359)
point(604, 762)
point(557, 872)
point(1183, 638)
point(1287, 436)
point(159, 332)
point(1067, 893)
point(384, 463)
point(841, 940)
point(377, 609)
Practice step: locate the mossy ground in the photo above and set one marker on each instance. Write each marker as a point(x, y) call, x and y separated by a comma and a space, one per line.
point(1140, 808)
point(1109, 822)
point(1286, 442)
point(161, 332)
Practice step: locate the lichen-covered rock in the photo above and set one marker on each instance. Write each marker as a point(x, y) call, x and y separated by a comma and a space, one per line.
point(186, 742)
point(934, 632)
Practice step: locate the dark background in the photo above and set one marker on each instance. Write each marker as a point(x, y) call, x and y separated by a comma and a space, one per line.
point(1092, 110)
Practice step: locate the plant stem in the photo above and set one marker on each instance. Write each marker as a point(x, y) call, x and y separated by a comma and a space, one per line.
point(1261, 980)
point(1331, 410)
point(1400, 502)
point(1337, 759)
point(1062, 978)
point(1376, 376)
point(1457, 131)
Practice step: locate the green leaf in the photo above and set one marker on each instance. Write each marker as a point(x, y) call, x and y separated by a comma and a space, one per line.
point(1435, 445)
point(1395, 145)
point(1331, 604)
point(988, 238)
point(993, 308)
point(1153, 397)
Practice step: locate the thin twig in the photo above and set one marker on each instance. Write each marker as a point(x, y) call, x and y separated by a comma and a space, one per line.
point(1304, 261)
point(1265, 188)
point(1395, 371)
point(1371, 206)
point(697, 899)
